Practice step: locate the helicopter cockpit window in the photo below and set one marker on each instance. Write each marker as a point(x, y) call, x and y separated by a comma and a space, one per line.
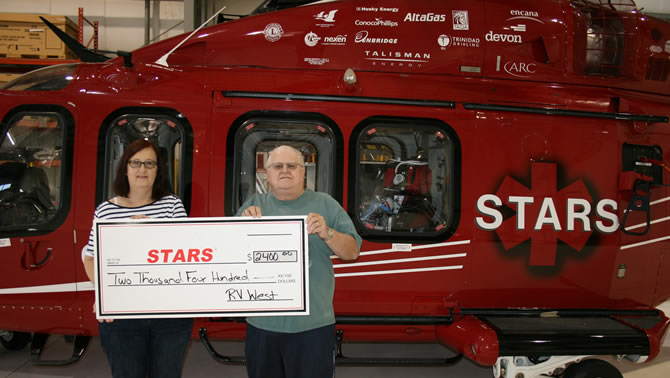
point(50, 78)
point(31, 169)
point(405, 178)
point(166, 132)
point(257, 137)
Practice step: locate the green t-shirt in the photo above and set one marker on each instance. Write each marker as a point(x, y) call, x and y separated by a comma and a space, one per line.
point(321, 276)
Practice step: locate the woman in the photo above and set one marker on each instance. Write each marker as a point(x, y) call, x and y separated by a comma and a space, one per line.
point(141, 347)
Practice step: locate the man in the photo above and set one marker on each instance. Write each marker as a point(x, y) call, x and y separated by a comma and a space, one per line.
point(300, 346)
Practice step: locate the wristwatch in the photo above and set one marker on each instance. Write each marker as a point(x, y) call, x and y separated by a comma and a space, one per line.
point(330, 234)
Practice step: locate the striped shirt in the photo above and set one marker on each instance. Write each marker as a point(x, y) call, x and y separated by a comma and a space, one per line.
point(169, 206)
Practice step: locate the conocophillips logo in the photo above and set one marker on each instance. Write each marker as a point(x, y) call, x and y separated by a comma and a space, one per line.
point(376, 22)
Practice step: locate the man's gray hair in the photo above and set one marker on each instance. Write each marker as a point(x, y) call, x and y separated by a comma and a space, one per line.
point(301, 158)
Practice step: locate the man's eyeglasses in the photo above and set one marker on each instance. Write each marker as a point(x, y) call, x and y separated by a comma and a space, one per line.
point(148, 164)
point(279, 166)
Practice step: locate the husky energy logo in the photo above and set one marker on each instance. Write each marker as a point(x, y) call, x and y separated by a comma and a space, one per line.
point(545, 214)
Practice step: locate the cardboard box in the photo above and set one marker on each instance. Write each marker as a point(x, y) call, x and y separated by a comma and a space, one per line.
point(26, 36)
point(5, 77)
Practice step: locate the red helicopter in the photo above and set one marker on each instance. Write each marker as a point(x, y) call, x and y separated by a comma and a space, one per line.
point(506, 163)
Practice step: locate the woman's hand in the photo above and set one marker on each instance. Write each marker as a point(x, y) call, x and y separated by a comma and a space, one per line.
point(102, 320)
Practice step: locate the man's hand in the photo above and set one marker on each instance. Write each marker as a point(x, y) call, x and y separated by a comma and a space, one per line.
point(316, 224)
point(252, 211)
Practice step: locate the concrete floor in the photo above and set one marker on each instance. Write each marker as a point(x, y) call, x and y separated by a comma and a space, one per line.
point(16, 364)
point(198, 363)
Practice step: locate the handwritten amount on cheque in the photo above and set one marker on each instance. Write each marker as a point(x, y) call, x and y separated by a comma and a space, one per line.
point(194, 277)
point(189, 277)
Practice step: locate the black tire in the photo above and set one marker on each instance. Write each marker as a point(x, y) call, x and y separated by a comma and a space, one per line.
point(592, 369)
point(15, 340)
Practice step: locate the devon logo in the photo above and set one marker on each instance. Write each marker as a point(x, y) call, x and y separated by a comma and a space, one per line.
point(544, 214)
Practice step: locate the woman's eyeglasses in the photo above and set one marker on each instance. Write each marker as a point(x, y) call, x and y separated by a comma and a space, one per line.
point(148, 164)
point(290, 166)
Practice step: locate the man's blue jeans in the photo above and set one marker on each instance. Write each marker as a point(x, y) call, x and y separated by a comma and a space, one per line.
point(145, 347)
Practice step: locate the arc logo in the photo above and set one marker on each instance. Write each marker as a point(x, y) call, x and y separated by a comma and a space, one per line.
point(545, 214)
point(520, 69)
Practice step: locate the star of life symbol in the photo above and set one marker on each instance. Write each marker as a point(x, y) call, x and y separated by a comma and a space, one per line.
point(273, 32)
point(563, 214)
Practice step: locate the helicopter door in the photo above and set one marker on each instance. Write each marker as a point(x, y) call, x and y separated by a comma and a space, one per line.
point(35, 195)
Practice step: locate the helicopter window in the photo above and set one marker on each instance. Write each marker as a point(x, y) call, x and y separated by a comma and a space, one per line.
point(257, 137)
point(405, 178)
point(31, 169)
point(51, 78)
point(166, 132)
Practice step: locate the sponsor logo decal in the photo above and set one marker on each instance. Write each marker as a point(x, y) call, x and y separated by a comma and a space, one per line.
point(397, 55)
point(425, 17)
point(327, 17)
point(460, 20)
point(397, 58)
point(508, 38)
point(517, 28)
point(515, 12)
point(524, 15)
point(655, 49)
point(363, 37)
point(376, 22)
point(273, 32)
point(544, 214)
point(446, 41)
point(338, 40)
point(317, 61)
point(380, 9)
point(311, 39)
point(520, 69)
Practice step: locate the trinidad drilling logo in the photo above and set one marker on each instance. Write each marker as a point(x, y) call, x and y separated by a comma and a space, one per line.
point(545, 214)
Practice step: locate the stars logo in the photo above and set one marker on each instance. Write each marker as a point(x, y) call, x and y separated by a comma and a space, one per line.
point(545, 214)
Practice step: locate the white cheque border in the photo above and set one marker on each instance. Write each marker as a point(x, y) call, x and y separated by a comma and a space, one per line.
point(232, 266)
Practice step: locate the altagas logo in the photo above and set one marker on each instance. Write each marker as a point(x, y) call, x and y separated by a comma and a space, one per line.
point(545, 214)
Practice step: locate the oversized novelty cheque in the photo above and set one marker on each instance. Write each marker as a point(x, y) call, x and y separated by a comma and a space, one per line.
point(201, 267)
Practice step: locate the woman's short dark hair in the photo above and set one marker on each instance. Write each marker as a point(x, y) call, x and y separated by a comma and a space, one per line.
point(121, 186)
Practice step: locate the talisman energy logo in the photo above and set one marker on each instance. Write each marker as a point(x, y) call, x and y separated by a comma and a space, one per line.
point(545, 214)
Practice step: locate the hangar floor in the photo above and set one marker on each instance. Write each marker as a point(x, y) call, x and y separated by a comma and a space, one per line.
point(16, 364)
point(198, 363)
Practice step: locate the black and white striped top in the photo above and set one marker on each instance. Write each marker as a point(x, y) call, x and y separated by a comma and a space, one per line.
point(169, 206)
